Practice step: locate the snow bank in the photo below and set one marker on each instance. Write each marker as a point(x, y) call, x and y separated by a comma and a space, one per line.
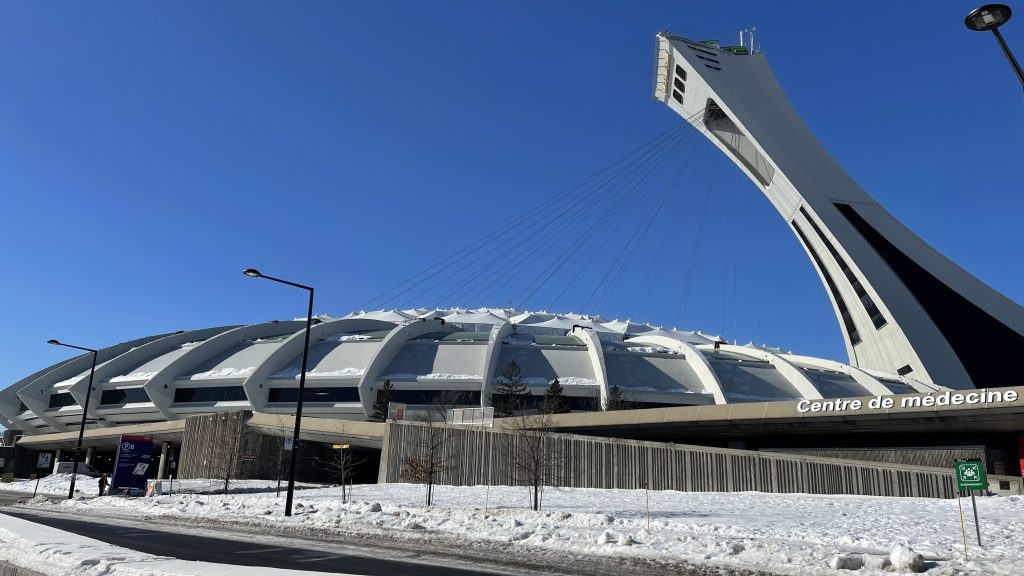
point(50, 551)
point(788, 533)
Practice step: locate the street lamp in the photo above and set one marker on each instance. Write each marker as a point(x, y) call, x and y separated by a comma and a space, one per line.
point(254, 273)
point(85, 410)
point(991, 17)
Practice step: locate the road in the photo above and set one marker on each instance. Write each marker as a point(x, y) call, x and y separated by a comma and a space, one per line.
point(315, 557)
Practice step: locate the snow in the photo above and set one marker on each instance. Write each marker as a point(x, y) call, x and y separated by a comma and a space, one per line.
point(54, 552)
point(133, 376)
point(293, 372)
point(347, 337)
point(679, 390)
point(651, 349)
point(224, 373)
point(433, 376)
point(786, 533)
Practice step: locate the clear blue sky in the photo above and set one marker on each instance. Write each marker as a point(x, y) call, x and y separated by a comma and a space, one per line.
point(151, 151)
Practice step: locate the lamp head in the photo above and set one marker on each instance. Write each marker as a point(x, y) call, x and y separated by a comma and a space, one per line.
point(54, 342)
point(252, 273)
point(988, 17)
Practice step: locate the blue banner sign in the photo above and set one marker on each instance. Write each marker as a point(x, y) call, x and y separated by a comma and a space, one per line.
point(132, 465)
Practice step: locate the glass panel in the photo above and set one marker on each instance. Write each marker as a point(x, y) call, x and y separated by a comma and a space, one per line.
point(752, 382)
point(835, 384)
point(214, 394)
point(61, 400)
point(124, 396)
point(290, 395)
point(456, 397)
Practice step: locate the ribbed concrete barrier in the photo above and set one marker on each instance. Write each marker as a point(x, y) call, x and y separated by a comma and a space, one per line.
point(488, 456)
point(12, 570)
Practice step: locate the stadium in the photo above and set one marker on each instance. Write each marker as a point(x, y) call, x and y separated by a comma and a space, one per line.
point(426, 355)
point(928, 378)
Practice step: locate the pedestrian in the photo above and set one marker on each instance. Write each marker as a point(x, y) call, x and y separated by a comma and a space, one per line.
point(103, 484)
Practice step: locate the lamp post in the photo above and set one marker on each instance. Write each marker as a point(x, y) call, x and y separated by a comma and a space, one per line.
point(989, 18)
point(85, 411)
point(253, 273)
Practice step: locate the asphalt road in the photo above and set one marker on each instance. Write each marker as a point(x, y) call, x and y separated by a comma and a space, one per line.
point(189, 547)
point(12, 497)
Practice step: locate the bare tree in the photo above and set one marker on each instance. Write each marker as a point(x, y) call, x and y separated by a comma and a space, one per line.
point(442, 404)
point(431, 459)
point(533, 454)
point(343, 464)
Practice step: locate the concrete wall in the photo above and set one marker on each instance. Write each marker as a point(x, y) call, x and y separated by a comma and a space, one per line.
point(942, 457)
point(485, 456)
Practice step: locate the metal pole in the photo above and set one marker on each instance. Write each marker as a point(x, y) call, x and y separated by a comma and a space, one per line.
point(81, 428)
point(1016, 68)
point(976, 526)
point(298, 410)
point(280, 454)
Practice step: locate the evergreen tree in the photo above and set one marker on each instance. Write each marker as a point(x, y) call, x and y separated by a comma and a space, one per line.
point(380, 403)
point(509, 391)
point(615, 400)
point(554, 399)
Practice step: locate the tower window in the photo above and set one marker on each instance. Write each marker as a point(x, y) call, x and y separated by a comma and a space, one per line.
point(679, 85)
point(677, 96)
point(680, 73)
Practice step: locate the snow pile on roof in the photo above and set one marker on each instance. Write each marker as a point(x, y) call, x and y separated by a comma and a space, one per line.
point(345, 337)
point(293, 372)
point(133, 377)
point(224, 373)
point(432, 376)
point(542, 381)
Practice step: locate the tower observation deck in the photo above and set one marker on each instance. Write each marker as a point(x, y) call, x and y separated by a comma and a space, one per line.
point(902, 306)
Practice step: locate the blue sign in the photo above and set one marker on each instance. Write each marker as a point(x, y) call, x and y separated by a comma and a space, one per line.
point(132, 465)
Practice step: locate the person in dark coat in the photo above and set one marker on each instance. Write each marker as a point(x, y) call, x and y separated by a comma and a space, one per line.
point(103, 484)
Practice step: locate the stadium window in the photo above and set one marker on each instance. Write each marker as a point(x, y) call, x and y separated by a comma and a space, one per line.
point(677, 96)
point(209, 395)
point(61, 400)
point(680, 73)
point(679, 84)
point(124, 396)
point(337, 394)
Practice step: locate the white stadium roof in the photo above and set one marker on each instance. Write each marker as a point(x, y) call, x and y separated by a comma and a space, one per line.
point(171, 376)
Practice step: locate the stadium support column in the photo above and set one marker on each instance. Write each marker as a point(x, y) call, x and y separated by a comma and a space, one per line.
point(902, 306)
point(90, 454)
point(56, 458)
point(165, 450)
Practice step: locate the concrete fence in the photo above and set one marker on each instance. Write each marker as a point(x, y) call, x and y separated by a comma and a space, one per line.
point(474, 456)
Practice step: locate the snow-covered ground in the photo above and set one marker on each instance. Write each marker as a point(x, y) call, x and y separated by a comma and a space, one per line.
point(784, 533)
point(54, 552)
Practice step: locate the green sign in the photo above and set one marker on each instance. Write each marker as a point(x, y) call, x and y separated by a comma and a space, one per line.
point(970, 475)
